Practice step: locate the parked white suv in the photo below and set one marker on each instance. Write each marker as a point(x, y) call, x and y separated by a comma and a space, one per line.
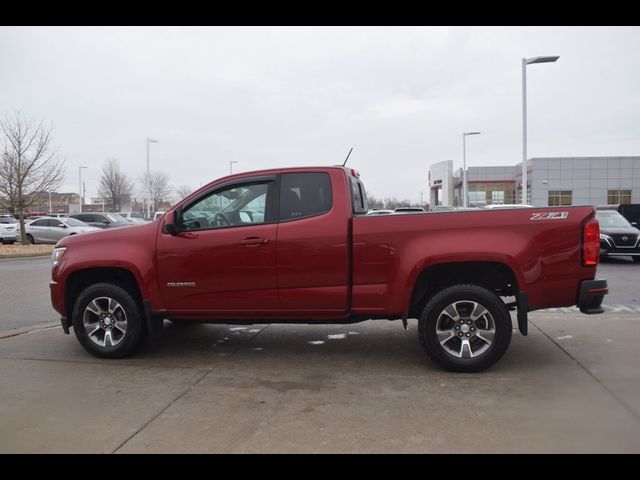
point(9, 229)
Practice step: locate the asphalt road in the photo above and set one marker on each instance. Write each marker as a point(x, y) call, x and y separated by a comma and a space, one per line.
point(24, 290)
point(571, 385)
point(24, 293)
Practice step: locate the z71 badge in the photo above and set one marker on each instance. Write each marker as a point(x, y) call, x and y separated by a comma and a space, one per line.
point(549, 216)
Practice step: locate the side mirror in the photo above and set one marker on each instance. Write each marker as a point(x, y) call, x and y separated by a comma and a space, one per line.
point(175, 227)
point(63, 225)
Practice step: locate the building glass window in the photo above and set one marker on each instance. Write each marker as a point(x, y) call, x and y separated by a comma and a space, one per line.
point(497, 197)
point(560, 197)
point(477, 199)
point(615, 197)
point(481, 194)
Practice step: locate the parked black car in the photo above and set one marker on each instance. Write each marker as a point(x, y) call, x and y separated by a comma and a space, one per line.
point(618, 238)
point(102, 220)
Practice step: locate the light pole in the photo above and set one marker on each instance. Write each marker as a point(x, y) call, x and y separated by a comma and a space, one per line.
point(464, 166)
point(231, 162)
point(525, 62)
point(49, 203)
point(80, 184)
point(149, 140)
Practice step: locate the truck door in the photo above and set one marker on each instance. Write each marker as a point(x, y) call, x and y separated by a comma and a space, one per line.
point(313, 243)
point(223, 260)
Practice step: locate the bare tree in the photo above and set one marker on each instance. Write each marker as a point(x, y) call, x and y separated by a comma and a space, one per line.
point(156, 187)
point(374, 202)
point(114, 184)
point(29, 164)
point(183, 190)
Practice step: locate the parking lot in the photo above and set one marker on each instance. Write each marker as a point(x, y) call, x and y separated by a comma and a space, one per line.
point(571, 386)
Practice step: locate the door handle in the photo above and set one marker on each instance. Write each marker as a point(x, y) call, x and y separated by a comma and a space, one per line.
point(187, 235)
point(254, 241)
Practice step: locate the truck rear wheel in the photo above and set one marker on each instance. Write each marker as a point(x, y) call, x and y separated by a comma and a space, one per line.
point(107, 321)
point(465, 328)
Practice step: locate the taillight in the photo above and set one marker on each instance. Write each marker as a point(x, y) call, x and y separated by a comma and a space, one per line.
point(591, 243)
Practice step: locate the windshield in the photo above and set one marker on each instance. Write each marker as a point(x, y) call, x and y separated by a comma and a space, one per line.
point(612, 220)
point(114, 217)
point(74, 222)
point(7, 220)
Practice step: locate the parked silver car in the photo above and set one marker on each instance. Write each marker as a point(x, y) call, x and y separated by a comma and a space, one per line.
point(50, 230)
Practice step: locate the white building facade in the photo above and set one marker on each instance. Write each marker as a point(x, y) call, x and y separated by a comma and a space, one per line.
point(551, 181)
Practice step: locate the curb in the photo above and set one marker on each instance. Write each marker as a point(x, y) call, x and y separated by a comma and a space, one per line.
point(14, 332)
point(19, 257)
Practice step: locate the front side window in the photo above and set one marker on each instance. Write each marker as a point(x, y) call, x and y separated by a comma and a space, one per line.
point(230, 207)
point(115, 218)
point(304, 195)
point(40, 223)
point(74, 222)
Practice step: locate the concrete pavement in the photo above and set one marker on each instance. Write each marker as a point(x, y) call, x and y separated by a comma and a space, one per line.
point(571, 386)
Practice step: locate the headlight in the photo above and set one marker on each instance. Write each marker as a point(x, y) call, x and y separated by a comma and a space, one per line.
point(57, 254)
point(607, 239)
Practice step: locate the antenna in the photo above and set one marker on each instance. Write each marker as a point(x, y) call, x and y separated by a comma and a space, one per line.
point(345, 160)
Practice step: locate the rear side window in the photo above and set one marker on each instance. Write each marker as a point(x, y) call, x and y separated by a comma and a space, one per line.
point(358, 196)
point(304, 195)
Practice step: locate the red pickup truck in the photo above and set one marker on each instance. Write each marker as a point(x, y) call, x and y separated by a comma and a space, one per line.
point(294, 246)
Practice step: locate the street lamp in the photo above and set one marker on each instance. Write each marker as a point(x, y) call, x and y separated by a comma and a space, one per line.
point(149, 140)
point(525, 62)
point(80, 185)
point(464, 166)
point(231, 162)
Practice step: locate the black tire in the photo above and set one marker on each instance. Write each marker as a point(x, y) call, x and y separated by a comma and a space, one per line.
point(484, 356)
point(135, 326)
point(30, 239)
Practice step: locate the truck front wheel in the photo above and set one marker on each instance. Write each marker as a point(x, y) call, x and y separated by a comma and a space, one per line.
point(465, 328)
point(107, 321)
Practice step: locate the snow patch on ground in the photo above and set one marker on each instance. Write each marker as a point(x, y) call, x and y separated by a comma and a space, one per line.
point(316, 342)
point(564, 337)
point(337, 336)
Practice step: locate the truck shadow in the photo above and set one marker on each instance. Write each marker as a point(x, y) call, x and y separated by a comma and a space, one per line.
point(376, 346)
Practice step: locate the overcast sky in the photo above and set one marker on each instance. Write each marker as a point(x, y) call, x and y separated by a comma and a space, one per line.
point(277, 97)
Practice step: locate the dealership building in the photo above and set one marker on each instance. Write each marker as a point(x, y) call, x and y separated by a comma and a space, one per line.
point(551, 181)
